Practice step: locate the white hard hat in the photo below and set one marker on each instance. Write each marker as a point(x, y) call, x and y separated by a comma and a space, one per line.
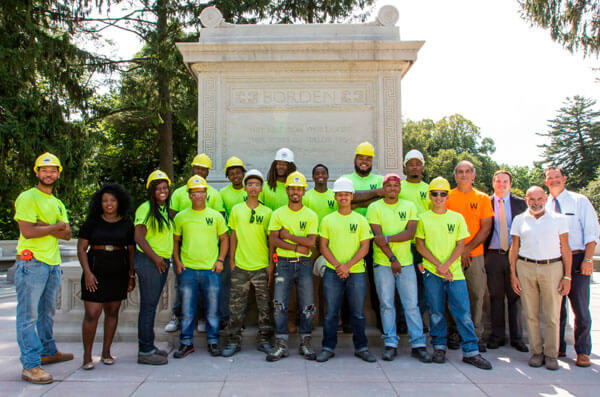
point(414, 154)
point(343, 185)
point(284, 154)
point(253, 174)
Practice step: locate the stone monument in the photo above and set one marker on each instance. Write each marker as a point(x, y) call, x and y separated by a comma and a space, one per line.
point(318, 89)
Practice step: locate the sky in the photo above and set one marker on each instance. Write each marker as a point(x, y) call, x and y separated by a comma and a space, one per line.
point(483, 61)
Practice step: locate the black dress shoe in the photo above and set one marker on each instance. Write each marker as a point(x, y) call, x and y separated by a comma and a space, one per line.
point(439, 356)
point(478, 361)
point(389, 353)
point(494, 343)
point(365, 355)
point(520, 346)
point(214, 350)
point(421, 354)
point(482, 348)
point(183, 351)
point(453, 341)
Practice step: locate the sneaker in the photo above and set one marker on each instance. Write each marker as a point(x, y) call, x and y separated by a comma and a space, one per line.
point(551, 363)
point(365, 355)
point(453, 341)
point(172, 325)
point(324, 356)
point(536, 360)
point(231, 349)
point(305, 349)
point(37, 375)
point(478, 361)
point(583, 360)
point(422, 354)
point(183, 351)
point(264, 347)
point(152, 359)
point(214, 349)
point(201, 326)
point(389, 353)
point(280, 351)
point(57, 358)
point(439, 356)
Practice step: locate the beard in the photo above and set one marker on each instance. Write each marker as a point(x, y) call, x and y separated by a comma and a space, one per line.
point(361, 172)
point(46, 184)
point(538, 211)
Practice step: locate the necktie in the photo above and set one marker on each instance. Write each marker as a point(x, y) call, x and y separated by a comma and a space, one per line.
point(557, 206)
point(503, 225)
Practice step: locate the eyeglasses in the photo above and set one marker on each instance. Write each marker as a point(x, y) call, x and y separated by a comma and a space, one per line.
point(440, 194)
point(252, 213)
point(197, 194)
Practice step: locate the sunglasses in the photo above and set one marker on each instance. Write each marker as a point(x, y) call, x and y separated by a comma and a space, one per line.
point(252, 213)
point(439, 194)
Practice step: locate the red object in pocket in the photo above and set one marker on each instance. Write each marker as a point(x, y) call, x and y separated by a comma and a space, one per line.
point(275, 258)
point(26, 255)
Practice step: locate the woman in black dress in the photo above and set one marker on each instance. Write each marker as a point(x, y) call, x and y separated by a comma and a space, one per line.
point(105, 249)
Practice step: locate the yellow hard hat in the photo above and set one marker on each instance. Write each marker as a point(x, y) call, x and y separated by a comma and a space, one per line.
point(234, 162)
point(157, 175)
point(196, 182)
point(47, 160)
point(365, 149)
point(439, 183)
point(296, 179)
point(202, 160)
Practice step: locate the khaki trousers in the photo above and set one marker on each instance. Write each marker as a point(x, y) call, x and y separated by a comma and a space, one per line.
point(539, 288)
point(476, 278)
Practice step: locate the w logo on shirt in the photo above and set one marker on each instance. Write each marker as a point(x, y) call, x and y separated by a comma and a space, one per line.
point(473, 206)
point(373, 186)
point(302, 225)
point(353, 227)
point(423, 195)
point(259, 219)
point(331, 203)
point(209, 221)
point(451, 227)
point(402, 215)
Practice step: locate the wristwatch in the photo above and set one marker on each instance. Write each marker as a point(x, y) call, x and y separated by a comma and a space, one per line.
point(393, 258)
point(588, 260)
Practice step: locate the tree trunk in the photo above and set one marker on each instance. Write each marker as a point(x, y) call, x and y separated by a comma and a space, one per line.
point(165, 129)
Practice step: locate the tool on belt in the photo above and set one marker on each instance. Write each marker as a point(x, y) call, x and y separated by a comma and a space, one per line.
point(26, 255)
point(275, 258)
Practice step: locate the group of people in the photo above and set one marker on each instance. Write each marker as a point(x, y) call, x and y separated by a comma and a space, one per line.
point(438, 249)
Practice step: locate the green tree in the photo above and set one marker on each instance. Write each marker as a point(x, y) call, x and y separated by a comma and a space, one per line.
point(574, 141)
point(446, 142)
point(575, 24)
point(592, 192)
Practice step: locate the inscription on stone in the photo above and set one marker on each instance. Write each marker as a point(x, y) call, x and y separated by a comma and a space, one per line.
point(298, 97)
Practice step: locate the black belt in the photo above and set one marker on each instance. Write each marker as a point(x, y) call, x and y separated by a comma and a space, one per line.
point(577, 252)
point(540, 262)
point(498, 251)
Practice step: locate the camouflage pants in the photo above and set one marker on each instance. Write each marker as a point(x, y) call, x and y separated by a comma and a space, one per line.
point(238, 300)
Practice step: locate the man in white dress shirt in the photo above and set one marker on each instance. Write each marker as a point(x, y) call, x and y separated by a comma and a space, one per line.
point(583, 237)
point(540, 264)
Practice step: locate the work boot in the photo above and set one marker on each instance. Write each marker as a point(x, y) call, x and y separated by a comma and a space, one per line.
point(280, 351)
point(264, 347)
point(389, 353)
point(231, 349)
point(152, 359)
point(439, 356)
point(305, 349)
point(453, 341)
point(57, 358)
point(536, 360)
point(583, 360)
point(478, 361)
point(214, 349)
point(37, 375)
point(421, 354)
point(366, 355)
point(551, 363)
point(324, 356)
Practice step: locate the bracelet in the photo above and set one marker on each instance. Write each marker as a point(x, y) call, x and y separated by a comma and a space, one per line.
point(221, 260)
point(392, 258)
point(567, 278)
point(588, 260)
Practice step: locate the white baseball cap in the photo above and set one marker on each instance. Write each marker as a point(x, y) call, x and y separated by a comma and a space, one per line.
point(253, 174)
point(414, 154)
point(284, 154)
point(343, 184)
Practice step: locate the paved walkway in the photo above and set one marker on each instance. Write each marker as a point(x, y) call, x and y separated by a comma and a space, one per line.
point(248, 374)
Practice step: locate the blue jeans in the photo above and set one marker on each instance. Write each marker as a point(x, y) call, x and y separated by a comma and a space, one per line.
point(286, 273)
point(355, 288)
point(151, 284)
point(406, 284)
point(193, 282)
point(38, 286)
point(437, 290)
point(176, 310)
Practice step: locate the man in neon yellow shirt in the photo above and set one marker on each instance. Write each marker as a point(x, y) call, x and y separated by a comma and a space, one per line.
point(320, 199)
point(199, 261)
point(274, 195)
point(367, 189)
point(42, 220)
point(180, 200)
point(345, 237)
point(293, 232)
point(234, 193)
point(249, 259)
point(414, 189)
point(440, 238)
point(394, 222)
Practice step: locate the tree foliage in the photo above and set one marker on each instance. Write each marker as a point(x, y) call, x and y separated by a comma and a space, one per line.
point(575, 24)
point(446, 142)
point(592, 191)
point(574, 137)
